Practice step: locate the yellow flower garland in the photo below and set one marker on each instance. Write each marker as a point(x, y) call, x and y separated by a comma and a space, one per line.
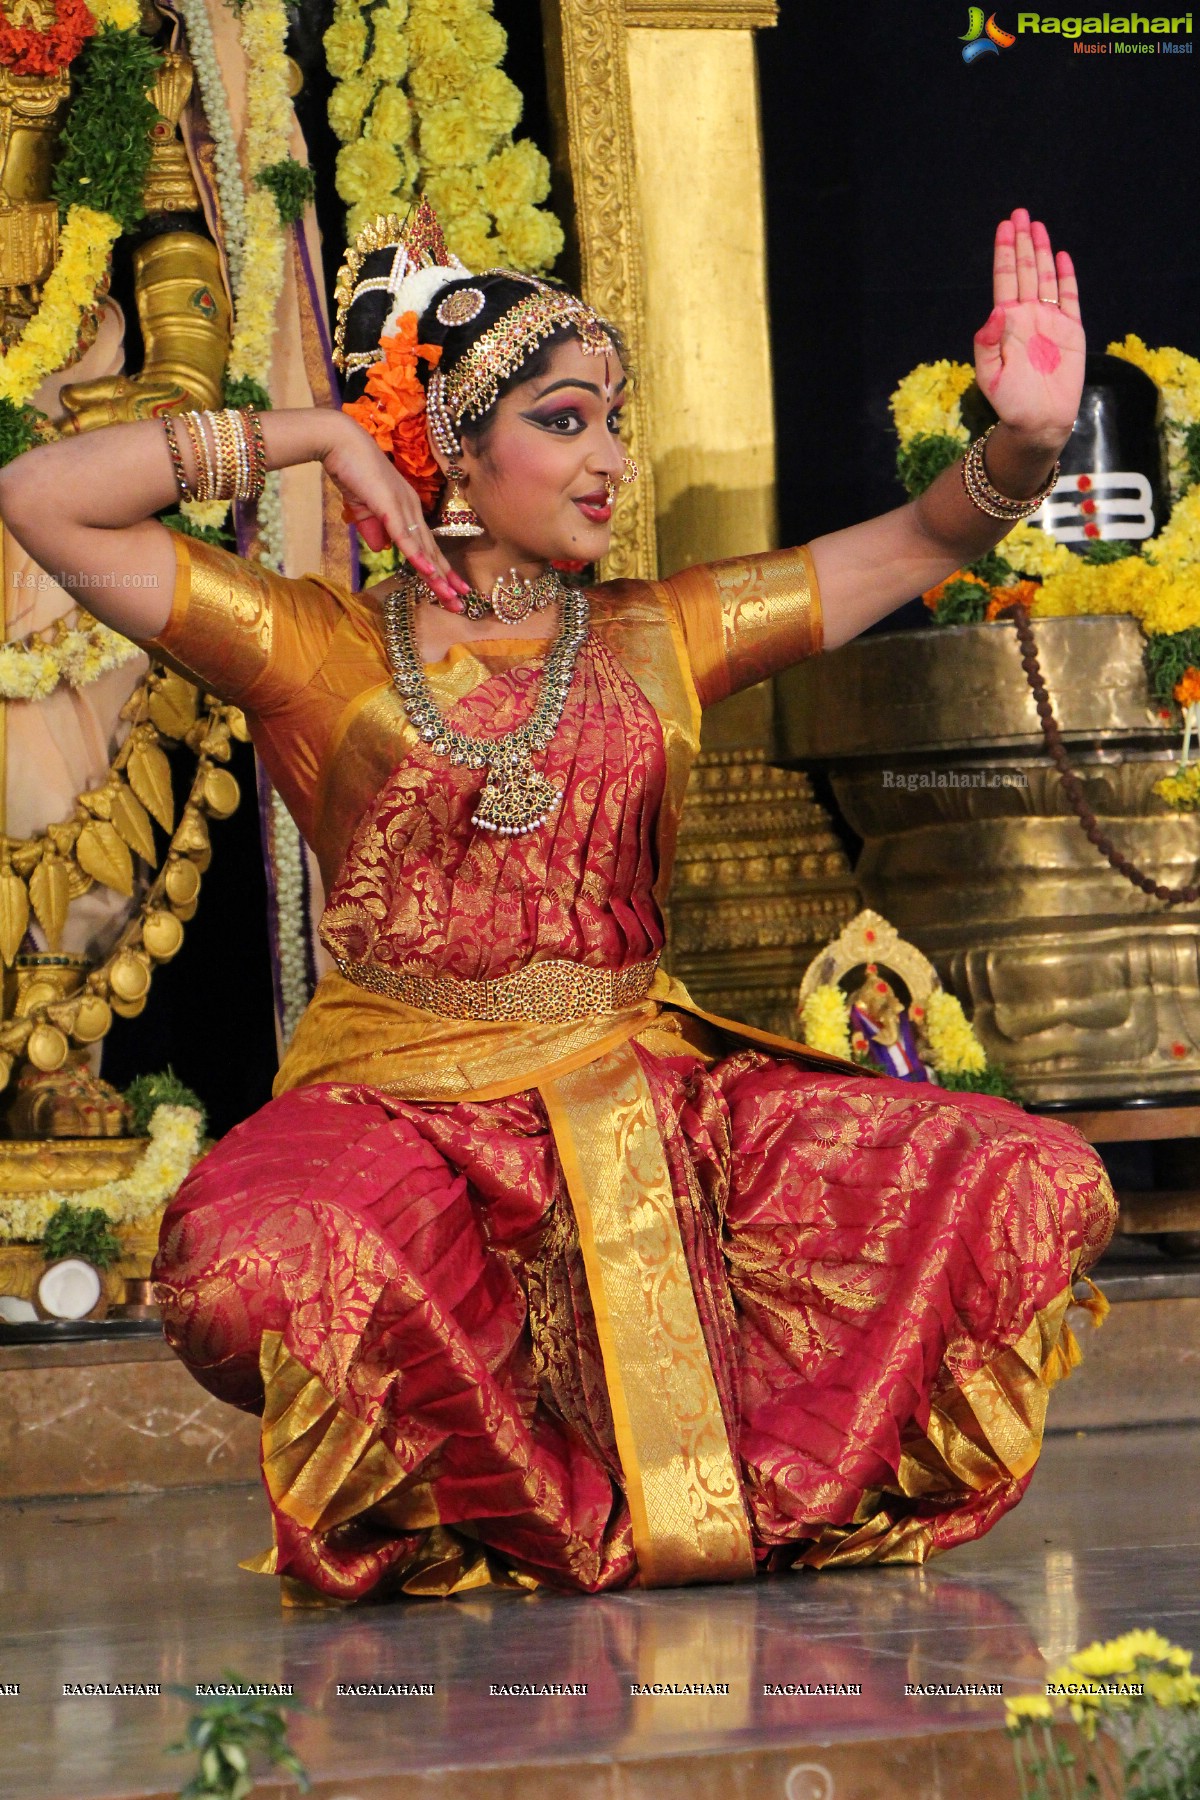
point(267, 140)
point(446, 132)
point(49, 341)
point(175, 1138)
point(77, 655)
point(953, 1046)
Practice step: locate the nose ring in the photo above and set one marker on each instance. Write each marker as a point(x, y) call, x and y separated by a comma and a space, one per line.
point(630, 471)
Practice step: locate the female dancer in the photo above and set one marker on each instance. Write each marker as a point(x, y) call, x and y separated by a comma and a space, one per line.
point(534, 1272)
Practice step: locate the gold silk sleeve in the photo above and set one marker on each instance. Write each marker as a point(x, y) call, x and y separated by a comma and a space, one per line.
point(241, 631)
point(747, 618)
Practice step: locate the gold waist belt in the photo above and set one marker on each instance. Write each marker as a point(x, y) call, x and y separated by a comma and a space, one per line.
point(549, 993)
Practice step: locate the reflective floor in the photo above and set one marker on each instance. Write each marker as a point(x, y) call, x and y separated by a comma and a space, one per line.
point(148, 1589)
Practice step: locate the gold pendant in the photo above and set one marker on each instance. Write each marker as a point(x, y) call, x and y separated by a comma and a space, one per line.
point(515, 797)
point(512, 598)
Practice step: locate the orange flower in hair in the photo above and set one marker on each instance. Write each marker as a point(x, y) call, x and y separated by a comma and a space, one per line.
point(392, 408)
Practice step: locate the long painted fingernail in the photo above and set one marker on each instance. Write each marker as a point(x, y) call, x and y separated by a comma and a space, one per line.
point(459, 585)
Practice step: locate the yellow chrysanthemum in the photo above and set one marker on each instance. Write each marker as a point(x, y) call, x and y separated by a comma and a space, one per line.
point(518, 175)
point(345, 43)
point(481, 38)
point(927, 401)
point(367, 167)
point(531, 239)
point(389, 58)
point(496, 103)
point(428, 33)
point(452, 13)
point(1172, 1690)
point(210, 514)
point(51, 338)
point(451, 137)
point(391, 118)
point(1034, 1707)
point(825, 1021)
point(123, 15)
point(1182, 790)
point(469, 237)
point(1032, 551)
point(1177, 545)
point(442, 76)
point(452, 193)
point(952, 1043)
point(348, 105)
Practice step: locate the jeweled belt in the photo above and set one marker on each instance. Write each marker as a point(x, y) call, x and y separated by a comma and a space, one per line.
point(548, 993)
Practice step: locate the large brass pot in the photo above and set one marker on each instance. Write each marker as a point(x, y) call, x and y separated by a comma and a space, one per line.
point(1080, 985)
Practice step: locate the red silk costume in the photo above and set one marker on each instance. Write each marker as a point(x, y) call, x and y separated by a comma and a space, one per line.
point(587, 1298)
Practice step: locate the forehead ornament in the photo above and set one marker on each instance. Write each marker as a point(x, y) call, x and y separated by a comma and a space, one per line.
point(461, 307)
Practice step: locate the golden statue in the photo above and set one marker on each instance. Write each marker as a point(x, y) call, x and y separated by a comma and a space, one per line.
point(83, 914)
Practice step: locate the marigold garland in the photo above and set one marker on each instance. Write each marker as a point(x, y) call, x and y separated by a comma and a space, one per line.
point(421, 104)
point(1157, 581)
point(26, 50)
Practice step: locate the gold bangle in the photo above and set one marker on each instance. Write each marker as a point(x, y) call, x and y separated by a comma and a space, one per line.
point(989, 499)
point(205, 475)
point(225, 439)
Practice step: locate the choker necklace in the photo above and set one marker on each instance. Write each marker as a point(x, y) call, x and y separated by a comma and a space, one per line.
point(513, 596)
point(516, 798)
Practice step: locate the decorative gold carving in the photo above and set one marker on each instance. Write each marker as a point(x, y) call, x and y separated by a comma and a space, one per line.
point(1079, 987)
point(30, 106)
point(589, 92)
point(66, 1165)
point(702, 15)
point(170, 184)
point(870, 938)
point(761, 884)
point(111, 825)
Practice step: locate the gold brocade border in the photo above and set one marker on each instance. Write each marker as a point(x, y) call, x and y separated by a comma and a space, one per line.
point(588, 80)
point(682, 1482)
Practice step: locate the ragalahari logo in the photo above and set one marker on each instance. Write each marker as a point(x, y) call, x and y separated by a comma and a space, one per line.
point(984, 37)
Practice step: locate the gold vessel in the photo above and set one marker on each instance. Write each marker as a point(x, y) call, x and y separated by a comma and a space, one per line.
point(1078, 984)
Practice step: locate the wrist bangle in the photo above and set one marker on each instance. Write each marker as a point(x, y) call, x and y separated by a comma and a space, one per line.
point(205, 475)
point(989, 499)
point(181, 480)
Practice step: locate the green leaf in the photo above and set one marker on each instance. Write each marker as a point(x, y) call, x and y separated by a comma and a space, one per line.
point(924, 459)
point(292, 184)
point(85, 1231)
point(145, 1095)
point(104, 147)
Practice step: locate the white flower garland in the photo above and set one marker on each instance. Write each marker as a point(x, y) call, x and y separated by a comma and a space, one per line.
point(78, 655)
point(173, 1147)
point(256, 274)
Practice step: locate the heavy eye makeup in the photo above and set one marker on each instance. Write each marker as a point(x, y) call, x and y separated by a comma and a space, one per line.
point(568, 421)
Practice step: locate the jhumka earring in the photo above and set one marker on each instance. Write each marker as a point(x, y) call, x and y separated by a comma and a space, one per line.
point(630, 471)
point(456, 516)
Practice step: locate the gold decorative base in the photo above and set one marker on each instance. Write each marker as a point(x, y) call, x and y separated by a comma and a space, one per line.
point(761, 883)
point(72, 1166)
point(1081, 987)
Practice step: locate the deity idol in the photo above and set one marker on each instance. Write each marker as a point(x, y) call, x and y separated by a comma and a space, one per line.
point(536, 1273)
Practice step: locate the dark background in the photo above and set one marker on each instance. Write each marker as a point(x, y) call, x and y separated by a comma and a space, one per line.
point(888, 162)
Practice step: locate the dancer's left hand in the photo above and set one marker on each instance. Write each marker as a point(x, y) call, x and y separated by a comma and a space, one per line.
point(1029, 355)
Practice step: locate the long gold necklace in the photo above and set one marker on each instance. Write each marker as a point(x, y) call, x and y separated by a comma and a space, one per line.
point(516, 797)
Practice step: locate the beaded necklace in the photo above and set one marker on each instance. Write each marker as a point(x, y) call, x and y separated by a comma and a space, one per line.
point(516, 798)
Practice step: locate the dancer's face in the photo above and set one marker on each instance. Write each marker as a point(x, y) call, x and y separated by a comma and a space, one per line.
point(543, 476)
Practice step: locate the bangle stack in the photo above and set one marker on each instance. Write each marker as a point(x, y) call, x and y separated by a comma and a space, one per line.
point(989, 499)
point(228, 450)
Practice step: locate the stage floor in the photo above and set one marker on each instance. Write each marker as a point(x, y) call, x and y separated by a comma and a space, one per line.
point(147, 1589)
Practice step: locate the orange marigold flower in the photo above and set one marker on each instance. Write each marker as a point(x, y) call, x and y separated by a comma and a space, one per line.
point(1021, 593)
point(1187, 688)
point(392, 408)
point(932, 598)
